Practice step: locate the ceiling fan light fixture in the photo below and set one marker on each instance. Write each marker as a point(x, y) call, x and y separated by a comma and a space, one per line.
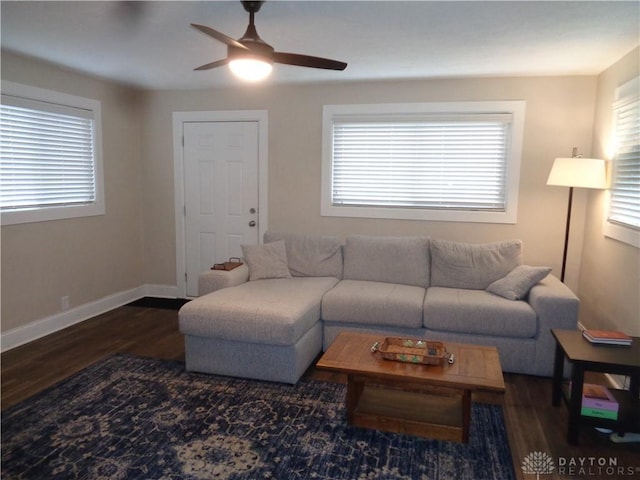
point(251, 59)
point(251, 69)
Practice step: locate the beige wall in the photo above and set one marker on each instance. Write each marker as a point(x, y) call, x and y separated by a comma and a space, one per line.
point(88, 258)
point(610, 279)
point(559, 115)
point(134, 243)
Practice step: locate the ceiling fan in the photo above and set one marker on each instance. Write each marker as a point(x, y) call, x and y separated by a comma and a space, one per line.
point(252, 58)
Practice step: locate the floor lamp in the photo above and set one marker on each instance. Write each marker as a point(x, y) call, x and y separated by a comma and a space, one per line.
point(576, 172)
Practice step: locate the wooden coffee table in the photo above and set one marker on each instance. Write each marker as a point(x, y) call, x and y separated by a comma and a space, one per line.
point(422, 400)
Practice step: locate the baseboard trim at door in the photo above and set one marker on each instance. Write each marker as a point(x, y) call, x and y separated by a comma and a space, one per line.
point(39, 328)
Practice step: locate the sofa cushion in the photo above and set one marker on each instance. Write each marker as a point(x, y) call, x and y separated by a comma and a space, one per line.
point(475, 266)
point(266, 261)
point(403, 260)
point(517, 283)
point(374, 303)
point(274, 311)
point(311, 255)
point(477, 312)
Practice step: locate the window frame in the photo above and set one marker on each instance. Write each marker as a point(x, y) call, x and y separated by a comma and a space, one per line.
point(515, 108)
point(48, 213)
point(625, 93)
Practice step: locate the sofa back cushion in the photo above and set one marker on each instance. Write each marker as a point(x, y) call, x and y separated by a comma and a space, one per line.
point(311, 255)
point(403, 260)
point(473, 266)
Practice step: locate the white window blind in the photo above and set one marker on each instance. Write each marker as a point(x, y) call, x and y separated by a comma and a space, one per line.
point(624, 206)
point(47, 155)
point(456, 162)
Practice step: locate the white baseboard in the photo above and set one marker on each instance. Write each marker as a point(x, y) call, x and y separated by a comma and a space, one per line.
point(160, 291)
point(617, 381)
point(45, 326)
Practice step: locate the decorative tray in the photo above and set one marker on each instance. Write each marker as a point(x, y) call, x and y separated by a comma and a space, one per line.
point(234, 262)
point(412, 350)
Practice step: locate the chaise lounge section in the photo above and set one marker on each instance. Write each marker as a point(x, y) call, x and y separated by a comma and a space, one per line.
point(255, 326)
point(270, 318)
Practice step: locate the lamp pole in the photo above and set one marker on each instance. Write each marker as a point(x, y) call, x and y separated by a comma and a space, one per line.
point(566, 235)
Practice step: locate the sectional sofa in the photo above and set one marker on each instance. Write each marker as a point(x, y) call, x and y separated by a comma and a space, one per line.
point(270, 318)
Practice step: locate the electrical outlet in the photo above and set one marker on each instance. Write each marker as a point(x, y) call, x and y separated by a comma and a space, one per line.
point(64, 302)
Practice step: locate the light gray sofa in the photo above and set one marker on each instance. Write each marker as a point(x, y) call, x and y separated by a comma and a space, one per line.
point(270, 318)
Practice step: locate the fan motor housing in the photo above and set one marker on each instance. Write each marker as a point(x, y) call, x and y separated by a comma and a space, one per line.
point(252, 7)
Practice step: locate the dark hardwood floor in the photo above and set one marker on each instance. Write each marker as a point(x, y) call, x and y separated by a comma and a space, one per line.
point(141, 329)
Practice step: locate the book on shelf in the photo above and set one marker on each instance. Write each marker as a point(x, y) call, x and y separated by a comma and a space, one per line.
point(598, 397)
point(599, 413)
point(608, 337)
point(598, 402)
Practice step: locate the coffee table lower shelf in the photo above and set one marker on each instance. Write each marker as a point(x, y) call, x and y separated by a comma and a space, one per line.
point(441, 413)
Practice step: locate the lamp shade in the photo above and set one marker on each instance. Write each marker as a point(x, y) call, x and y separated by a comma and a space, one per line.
point(578, 172)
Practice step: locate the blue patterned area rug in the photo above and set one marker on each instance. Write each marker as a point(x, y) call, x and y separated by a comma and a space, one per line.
point(137, 418)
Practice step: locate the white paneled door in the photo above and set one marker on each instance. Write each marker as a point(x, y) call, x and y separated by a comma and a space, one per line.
point(221, 193)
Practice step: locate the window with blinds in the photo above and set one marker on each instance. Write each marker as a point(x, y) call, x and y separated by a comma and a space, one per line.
point(48, 159)
point(625, 189)
point(424, 164)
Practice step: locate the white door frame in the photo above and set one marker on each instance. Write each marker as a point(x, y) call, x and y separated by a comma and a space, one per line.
point(179, 118)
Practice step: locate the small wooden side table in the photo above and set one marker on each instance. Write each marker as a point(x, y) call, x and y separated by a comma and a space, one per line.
point(585, 356)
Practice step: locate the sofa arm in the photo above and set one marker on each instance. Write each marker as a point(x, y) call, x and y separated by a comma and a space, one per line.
point(213, 280)
point(556, 306)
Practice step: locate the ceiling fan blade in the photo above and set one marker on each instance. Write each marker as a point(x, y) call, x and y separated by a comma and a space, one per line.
point(217, 63)
point(308, 61)
point(219, 36)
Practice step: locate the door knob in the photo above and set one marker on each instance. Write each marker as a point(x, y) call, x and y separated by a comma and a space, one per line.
point(252, 223)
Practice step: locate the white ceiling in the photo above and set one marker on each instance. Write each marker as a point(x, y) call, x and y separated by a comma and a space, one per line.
point(151, 45)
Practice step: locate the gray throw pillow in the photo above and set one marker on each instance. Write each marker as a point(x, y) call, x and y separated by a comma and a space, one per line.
point(517, 283)
point(266, 261)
